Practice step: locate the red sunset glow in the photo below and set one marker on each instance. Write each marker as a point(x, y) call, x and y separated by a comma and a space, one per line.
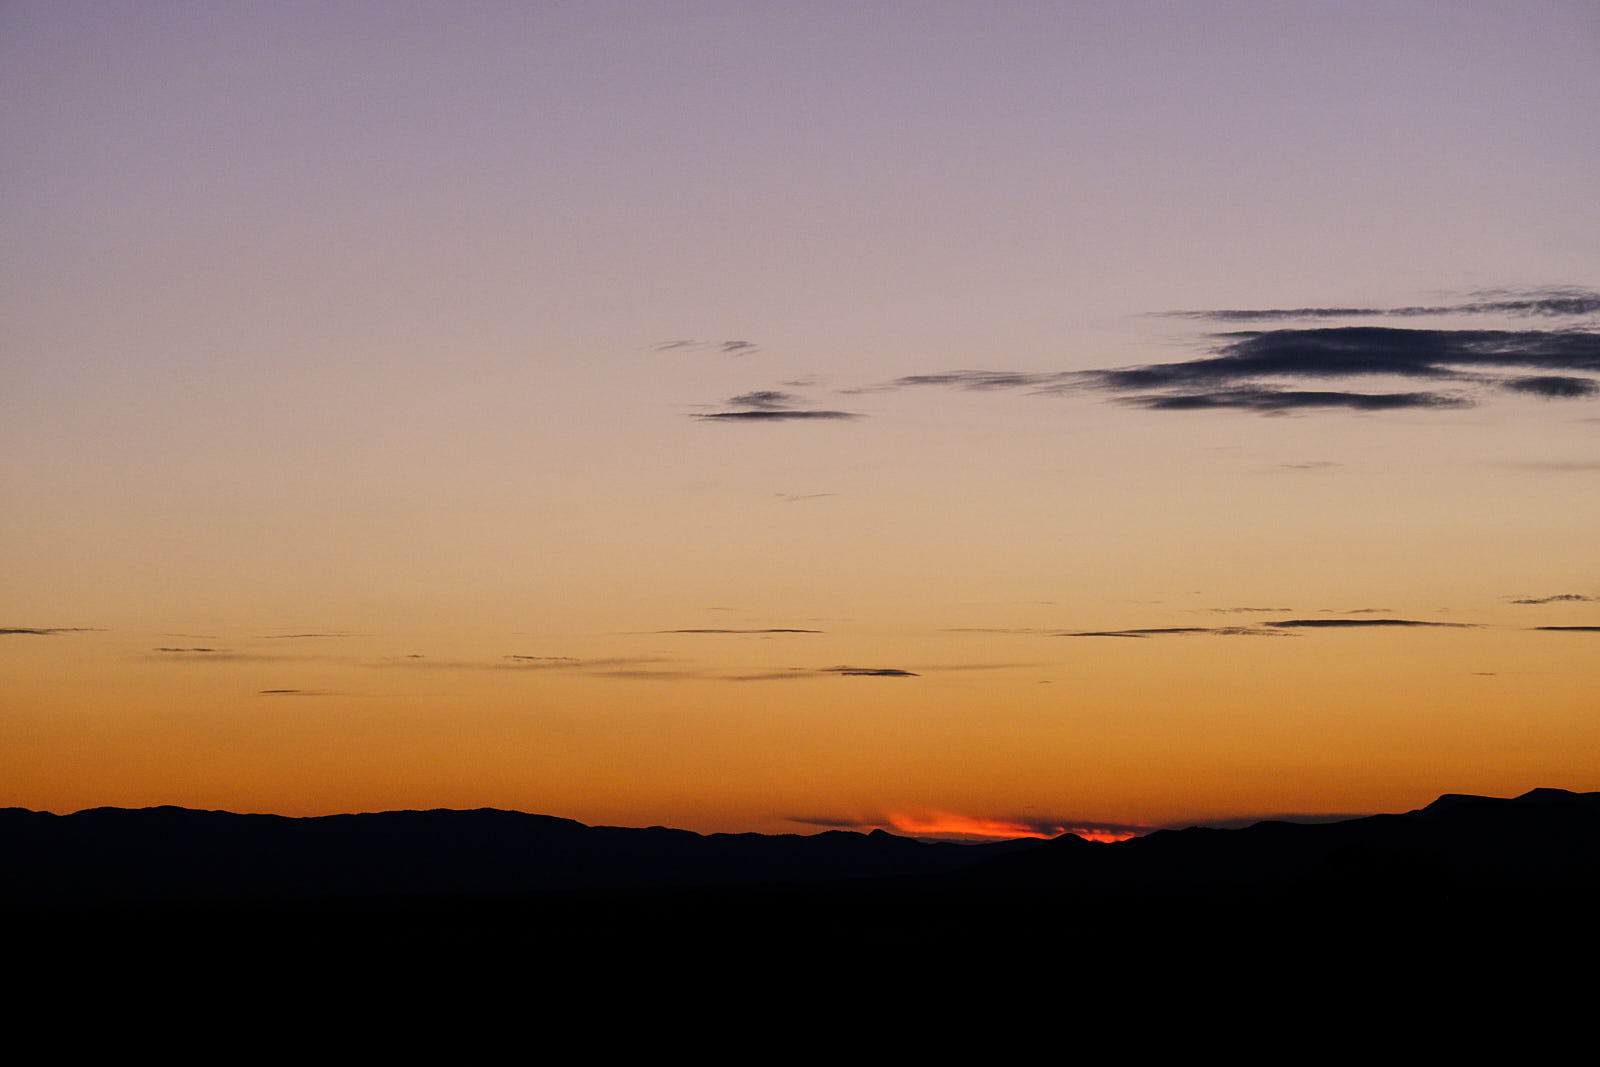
point(1106, 836)
point(945, 824)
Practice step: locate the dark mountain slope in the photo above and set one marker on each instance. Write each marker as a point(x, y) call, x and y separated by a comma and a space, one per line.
point(178, 854)
point(1545, 839)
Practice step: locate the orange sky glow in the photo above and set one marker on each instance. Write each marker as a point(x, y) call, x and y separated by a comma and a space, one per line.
point(766, 416)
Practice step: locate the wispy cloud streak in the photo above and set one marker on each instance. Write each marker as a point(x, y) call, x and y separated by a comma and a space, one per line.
point(1177, 631)
point(977, 381)
point(1280, 400)
point(1336, 624)
point(1346, 351)
point(764, 415)
point(1540, 302)
point(726, 348)
point(1270, 371)
point(774, 630)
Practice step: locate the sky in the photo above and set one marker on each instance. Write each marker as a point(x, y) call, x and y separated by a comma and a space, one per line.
point(948, 417)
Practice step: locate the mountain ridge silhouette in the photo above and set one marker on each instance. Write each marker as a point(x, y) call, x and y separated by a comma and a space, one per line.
point(1544, 838)
point(424, 893)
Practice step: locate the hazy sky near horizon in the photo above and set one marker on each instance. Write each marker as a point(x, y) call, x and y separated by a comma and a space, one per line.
point(772, 416)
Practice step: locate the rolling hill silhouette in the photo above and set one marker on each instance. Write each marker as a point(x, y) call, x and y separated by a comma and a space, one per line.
point(432, 881)
point(1545, 838)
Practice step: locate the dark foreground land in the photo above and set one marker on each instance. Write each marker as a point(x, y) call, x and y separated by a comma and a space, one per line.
point(1464, 880)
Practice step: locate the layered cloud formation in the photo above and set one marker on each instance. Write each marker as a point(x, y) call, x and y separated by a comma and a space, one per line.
point(1309, 368)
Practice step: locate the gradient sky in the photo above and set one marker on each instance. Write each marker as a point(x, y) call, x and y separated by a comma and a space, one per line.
point(776, 416)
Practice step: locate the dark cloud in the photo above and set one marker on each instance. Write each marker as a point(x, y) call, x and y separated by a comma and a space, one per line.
point(1348, 351)
point(775, 630)
point(770, 405)
point(1279, 400)
point(792, 673)
point(1160, 631)
point(1570, 629)
point(1311, 465)
point(1554, 387)
point(1272, 629)
point(765, 415)
point(1356, 611)
point(335, 633)
point(644, 667)
point(791, 498)
point(47, 631)
point(1241, 611)
point(976, 381)
point(1541, 302)
point(210, 654)
point(1265, 371)
point(727, 348)
point(1575, 598)
point(1343, 351)
point(1177, 631)
point(765, 399)
point(1330, 624)
point(1235, 375)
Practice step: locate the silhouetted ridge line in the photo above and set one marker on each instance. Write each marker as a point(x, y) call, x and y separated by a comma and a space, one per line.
point(169, 853)
point(1545, 839)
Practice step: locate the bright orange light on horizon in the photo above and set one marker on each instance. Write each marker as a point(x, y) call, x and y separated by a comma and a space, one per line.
point(945, 824)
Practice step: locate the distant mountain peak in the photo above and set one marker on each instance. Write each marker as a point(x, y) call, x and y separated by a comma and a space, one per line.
point(1545, 794)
